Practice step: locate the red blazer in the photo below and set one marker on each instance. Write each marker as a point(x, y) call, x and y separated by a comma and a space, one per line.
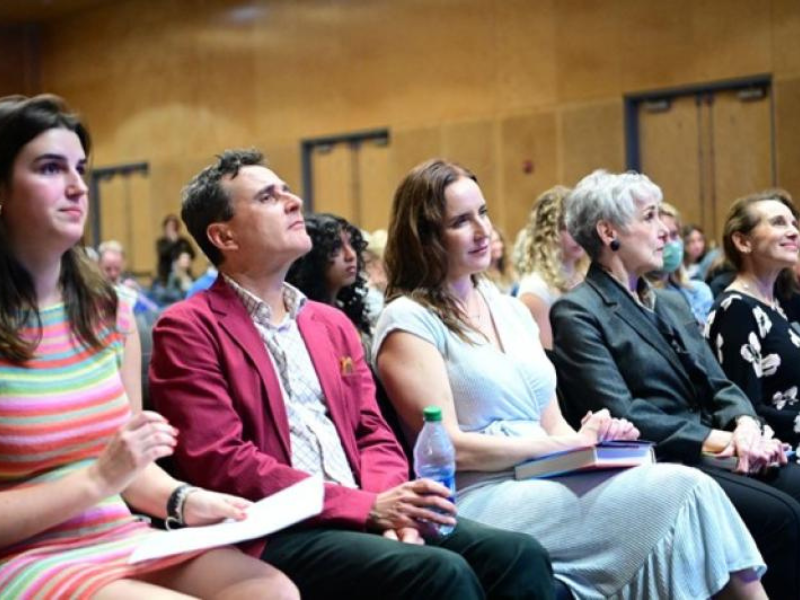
point(211, 377)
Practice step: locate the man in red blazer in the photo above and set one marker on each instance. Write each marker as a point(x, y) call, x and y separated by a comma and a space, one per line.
point(266, 387)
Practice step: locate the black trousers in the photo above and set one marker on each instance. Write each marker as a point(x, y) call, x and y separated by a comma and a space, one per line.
point(475, 561)
point(770, 507)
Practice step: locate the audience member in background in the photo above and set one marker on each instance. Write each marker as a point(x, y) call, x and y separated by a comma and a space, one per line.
point(205, 281)
point(178, 283)
point(748, 331)
point(552, 260)
point(376, 274)
point(619, 344)
point(519, 253)
point(720, 275)
point(71, 447)
point(180, 278)
point(698, 256)
point(111, 260)
point(169, 246)
point(449, 338)
point(333, 271)
point(269, 387)
point(672, 275)
point(501, 272)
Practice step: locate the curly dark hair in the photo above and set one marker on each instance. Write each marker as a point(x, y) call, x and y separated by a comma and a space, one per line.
point(307, 273)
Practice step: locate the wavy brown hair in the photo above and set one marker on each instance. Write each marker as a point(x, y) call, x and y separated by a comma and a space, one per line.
point(415, 257)
point(91, 302)
point(743, 219)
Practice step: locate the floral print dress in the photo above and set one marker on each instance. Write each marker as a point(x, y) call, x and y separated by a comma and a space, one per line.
point(759, 350)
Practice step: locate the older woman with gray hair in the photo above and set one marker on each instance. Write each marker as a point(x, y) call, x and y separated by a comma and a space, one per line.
point(619, 344)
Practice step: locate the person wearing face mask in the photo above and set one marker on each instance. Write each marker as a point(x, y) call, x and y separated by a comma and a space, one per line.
point(673, 274)
point(634, 350)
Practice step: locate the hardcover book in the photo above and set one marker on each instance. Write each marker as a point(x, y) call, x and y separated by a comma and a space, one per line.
point(606, 455)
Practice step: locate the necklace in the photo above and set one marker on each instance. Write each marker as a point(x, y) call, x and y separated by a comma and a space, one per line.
point(474, 314)
point(753, 291)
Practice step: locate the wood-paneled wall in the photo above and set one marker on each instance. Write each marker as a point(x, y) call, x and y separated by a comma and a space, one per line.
point(19, 53)
point(491, 83)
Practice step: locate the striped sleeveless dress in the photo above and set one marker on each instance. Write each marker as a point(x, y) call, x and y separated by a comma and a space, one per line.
point(57, 413)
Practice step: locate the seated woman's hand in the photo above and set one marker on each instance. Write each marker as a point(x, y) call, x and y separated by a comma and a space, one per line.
point(602, 427)
point(203, 507)
point(144, 439)
point(753, 451)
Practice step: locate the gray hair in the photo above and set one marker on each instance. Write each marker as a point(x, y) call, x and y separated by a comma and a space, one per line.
point(604, 196)
point(112, 246)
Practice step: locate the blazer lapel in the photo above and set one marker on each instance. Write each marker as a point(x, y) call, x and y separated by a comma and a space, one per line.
point(327, 364)
point(620, 302)
point(236, 322)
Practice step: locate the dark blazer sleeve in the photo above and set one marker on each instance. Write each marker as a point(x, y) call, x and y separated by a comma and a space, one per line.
point(726, 402)
point(228, 434)
point(600, 365)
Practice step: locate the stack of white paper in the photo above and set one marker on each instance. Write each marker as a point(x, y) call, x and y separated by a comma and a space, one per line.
point(282, 509)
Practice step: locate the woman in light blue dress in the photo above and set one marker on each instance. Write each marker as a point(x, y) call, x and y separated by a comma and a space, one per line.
point(450, 339)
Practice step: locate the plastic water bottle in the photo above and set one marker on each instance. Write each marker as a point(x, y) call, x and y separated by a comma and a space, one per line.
point(435, 458)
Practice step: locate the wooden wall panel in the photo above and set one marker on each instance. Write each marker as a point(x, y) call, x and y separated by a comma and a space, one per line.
point(526, 53)
point(333, 181)
point(785, 37)
point(376, 189)
point(656, 49)
point(670, 143)
point(411, 147)
point(787, 116)
point(175, 82)
point(589, 42)
point(731, 39)
point(592, 137)
point(742, 153)
point(19, 59)
point(473, 145)
point(525, 138)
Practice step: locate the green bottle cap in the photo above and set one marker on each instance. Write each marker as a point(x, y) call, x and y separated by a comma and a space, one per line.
point(432, 413)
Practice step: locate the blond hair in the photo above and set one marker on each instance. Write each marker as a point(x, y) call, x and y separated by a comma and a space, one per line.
point(541, 250)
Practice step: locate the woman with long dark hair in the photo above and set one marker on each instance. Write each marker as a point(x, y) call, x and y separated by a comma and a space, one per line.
point(75, 446)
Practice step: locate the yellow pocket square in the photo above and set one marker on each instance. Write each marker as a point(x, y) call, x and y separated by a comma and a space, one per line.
point(346, 364)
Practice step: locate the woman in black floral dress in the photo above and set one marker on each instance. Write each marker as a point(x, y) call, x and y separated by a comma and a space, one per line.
point(758, 347)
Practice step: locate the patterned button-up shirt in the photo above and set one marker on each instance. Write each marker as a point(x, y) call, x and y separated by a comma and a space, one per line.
point(315, 444)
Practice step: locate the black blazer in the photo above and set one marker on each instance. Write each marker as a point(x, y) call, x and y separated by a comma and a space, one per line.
point(610, 354)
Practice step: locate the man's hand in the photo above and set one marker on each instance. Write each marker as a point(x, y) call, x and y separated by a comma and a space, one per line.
point(403, 506)
point(407, 535)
